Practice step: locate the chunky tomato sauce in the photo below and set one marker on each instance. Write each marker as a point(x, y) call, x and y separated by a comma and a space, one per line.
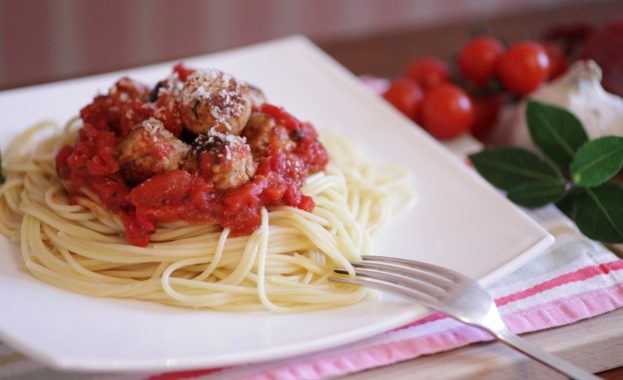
point(188, 192)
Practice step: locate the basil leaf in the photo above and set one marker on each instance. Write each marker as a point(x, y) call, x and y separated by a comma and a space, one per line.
point(599, 213)
point(507, 168)
point(597, 161)
point(567, 204)
point(537, 194)
point(556, 131)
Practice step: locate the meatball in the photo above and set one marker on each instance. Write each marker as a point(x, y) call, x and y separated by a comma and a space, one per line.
point(147, 150)
point(224, 159)
point(263, 134)
point(171, 85)
point(126, 89)
point(166, 97)
point(214, 100)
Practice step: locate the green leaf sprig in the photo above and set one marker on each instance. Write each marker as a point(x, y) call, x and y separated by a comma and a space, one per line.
point(576, 173)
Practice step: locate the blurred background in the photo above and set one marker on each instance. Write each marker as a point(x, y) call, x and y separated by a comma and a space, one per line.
point(44, 40)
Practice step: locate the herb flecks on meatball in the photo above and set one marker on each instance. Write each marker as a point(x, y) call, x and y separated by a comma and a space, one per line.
point(147, 150)
point(214, 100)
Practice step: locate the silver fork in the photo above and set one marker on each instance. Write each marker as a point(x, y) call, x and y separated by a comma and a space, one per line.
point(452, 293)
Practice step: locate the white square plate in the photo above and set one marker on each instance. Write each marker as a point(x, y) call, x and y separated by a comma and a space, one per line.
point(459, 222)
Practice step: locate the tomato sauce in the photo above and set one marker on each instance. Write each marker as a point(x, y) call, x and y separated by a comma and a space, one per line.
point(91, 166)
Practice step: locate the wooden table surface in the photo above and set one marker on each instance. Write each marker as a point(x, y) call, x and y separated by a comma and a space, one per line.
point(595, 344)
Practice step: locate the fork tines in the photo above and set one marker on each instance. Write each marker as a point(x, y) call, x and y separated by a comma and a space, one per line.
point(424, 282)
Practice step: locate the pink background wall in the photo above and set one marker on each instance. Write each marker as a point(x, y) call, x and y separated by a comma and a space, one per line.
point(49, 39)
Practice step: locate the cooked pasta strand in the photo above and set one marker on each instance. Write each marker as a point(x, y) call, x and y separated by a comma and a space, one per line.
point(282, 267)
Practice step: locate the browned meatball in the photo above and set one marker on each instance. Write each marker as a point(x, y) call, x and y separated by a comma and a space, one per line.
point(214, 100)
point(171, 85)
point(225, 159)
point(262, 134)
point(127, 89)
point(147, 150)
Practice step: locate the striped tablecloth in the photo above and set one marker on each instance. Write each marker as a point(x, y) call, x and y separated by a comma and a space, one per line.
point(573, 280)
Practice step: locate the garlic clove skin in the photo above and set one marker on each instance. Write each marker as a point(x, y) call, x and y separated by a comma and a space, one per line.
point(579, 91)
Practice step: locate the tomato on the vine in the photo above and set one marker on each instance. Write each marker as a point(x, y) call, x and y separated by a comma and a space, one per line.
point(428, 72)
point(447, 111)
point(487, 111)
point(479, 58)
point(406, 96)
point(524, 67)
point(557, 60)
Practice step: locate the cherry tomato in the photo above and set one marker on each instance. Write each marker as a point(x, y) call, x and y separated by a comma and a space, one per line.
point(447, 111)
point(557, 60)
point(428, 72)
point(479, 58)
point(406, 96)
point(524, 67)
point(487, 112)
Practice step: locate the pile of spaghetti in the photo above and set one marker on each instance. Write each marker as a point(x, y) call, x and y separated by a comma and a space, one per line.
point(198, 193)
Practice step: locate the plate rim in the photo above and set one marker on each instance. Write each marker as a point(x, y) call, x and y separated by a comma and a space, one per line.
point(284, 350)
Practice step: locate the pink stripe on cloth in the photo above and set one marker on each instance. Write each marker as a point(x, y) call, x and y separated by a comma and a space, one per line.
point(180, 375)
point(428, 319)
point(566, 310)
point(579, 275)
point(556, 313)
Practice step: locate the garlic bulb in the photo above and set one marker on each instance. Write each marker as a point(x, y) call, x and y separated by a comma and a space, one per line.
point(580, 92)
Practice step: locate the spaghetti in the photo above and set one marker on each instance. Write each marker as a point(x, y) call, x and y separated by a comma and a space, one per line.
point(78, 244)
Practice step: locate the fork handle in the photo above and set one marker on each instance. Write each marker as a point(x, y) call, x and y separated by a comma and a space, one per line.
point(554, 362)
